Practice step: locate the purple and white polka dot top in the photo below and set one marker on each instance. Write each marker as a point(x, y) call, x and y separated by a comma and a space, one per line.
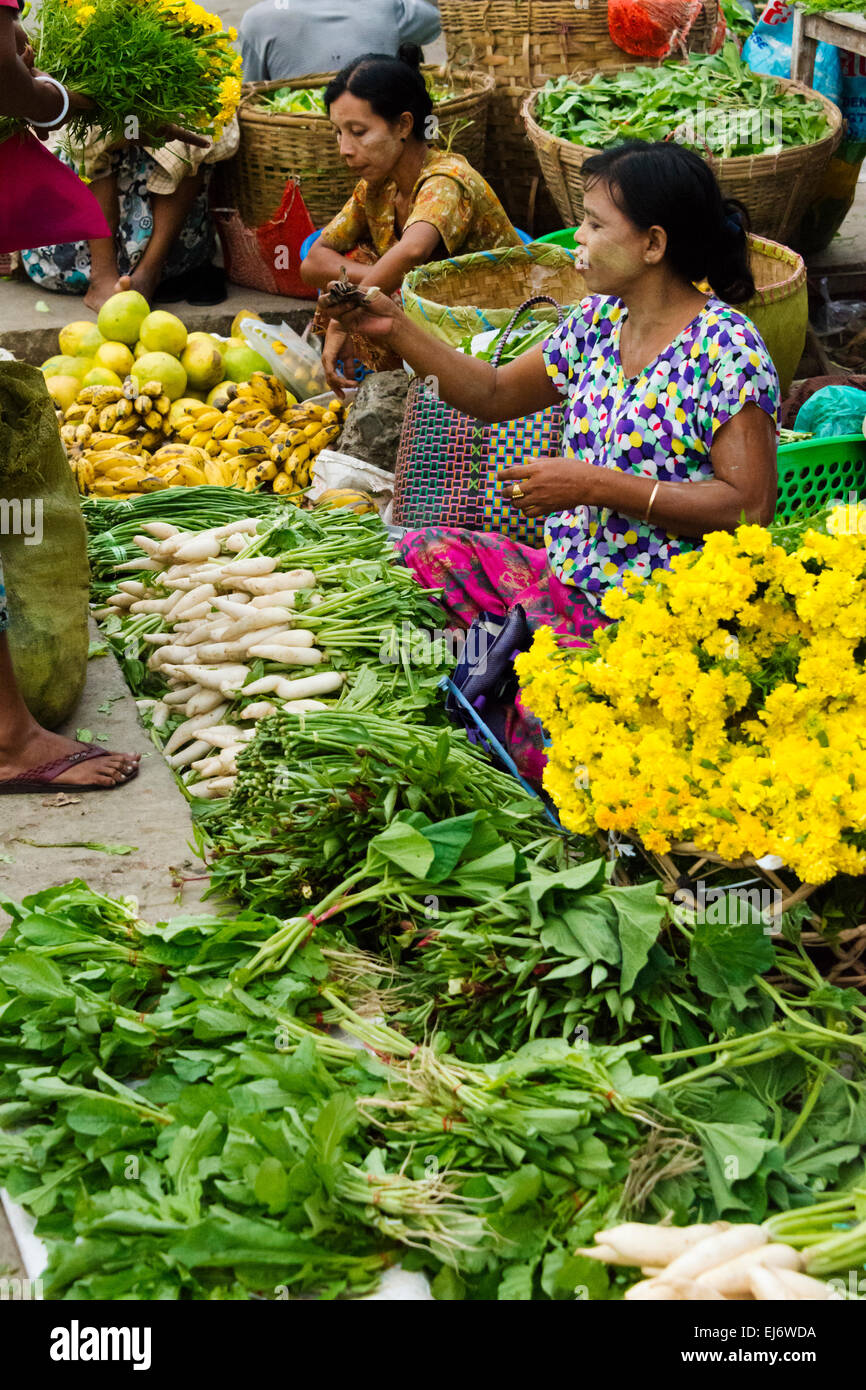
point(660, 424)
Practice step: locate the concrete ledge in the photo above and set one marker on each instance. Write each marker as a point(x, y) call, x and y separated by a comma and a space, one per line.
point(31, 334)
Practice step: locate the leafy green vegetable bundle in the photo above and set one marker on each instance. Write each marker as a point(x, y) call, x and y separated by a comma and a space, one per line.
point(713, 103)
point(179, 1113)
point(301, 101)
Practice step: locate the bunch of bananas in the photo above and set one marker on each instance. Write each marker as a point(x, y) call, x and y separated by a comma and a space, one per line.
point(103, 415)
point(311, 429)
point(252, 433)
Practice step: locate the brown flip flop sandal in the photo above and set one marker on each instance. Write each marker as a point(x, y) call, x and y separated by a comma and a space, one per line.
point(38, 779)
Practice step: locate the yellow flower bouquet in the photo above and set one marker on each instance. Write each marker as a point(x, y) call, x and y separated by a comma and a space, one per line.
point(144, 64)
point(726, 706)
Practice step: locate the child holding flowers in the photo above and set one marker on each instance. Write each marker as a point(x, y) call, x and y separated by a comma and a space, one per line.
point(671, 406)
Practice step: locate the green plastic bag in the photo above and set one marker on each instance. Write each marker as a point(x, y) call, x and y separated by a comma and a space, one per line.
point(43, 546)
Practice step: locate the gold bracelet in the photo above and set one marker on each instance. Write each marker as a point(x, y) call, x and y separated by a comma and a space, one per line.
point(651, 501)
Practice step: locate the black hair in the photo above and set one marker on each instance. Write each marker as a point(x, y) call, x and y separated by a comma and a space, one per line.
point(390, 85)
point(666, 185)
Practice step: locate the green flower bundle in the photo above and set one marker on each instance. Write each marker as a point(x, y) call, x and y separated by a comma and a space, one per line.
point(144, 64)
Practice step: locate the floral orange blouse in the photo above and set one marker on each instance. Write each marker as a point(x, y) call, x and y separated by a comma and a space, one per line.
point(449, 194)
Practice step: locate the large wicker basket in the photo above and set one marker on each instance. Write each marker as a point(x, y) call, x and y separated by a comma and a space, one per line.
point(776, 188)
point(522, 43)
point(276, 147)
point(456, 298)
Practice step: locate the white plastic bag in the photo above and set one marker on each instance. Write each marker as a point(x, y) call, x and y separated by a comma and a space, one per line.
point(333, 470)
point(300, 367)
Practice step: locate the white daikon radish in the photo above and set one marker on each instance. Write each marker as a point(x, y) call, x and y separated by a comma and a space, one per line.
point(283, 598)
point(187, 755)
point(203, 703)
point(230, 608)
point(147, 544)
point(192, 615)
point(160, 714)
point(732, 1277)
point(214, 652)
point(235, 544)
point(716, 1250)
point(262, 620)
point(160, 530)
point(216, 677)
point(158, 639)
point(260, 710)
point(198, 547)
point(652, 1290)
point(246, 526)
point(192, 598)
point(275, 583)
point(208, 791)
point(189, 729)
point(259, 635)
point(306, 687)
point(287, 656)
point(767, 1287)
point(605, 1254)
point(266, 685)
point(134, 587)
point(129, 565)
point(202, 631)
point(223, 764)
point(221, 786)
point(226, 736)
point(645, 1244)
point(181, 696)
point(303, 706)
point(165, 655)
point(800, 1286)
point(256, 567)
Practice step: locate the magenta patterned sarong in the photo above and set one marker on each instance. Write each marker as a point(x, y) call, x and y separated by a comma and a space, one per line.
point(483, 573)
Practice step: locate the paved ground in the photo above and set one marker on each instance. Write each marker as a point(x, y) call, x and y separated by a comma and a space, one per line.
point(30, 319)
point(150, 813)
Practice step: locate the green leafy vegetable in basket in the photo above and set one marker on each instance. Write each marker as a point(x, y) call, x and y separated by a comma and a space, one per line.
point(300, 101)
point(714, 104)
point(828, 6)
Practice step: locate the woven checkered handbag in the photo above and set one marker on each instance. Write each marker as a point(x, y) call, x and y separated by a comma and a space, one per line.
point(448, 464)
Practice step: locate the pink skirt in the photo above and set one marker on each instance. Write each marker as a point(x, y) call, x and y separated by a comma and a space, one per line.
point(45, 202)
point(483, 573)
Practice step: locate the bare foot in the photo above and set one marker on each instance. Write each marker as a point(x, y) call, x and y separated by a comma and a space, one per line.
point(40, 747)
point(142, 279)
point(100, 290)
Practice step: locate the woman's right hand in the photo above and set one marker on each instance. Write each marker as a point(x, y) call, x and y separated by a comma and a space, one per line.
point(378, 318)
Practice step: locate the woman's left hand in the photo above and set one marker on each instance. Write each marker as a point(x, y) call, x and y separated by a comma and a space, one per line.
point(549, 485)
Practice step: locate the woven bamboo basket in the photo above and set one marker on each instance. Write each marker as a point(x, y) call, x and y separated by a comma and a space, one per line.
point(464, 295)
point(521, 43)
point(838, 952)
point(276, 147)
point(776, 188)
point(780, 308)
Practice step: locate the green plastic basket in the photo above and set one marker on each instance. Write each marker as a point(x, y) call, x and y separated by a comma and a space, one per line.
point(817, 471)
point(564, 238)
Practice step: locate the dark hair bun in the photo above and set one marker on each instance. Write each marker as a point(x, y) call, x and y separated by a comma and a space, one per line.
point(661, 184)
point(411, 54)
point(391, 85)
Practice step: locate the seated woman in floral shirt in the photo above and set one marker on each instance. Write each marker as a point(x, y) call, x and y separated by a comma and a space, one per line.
point(670, 395)
point(413, 203)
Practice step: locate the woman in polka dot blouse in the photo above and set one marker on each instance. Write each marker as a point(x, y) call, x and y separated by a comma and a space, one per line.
point(671, 402)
